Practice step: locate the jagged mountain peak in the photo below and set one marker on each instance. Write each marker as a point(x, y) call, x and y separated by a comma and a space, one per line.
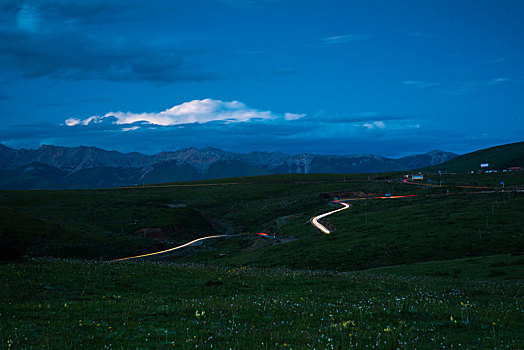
point(192, 163)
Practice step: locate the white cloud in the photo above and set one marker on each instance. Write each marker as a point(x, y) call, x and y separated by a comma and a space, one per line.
point(293, 116)
point(374, 125)
point(339, 39)
point(196, 111)
point(76, 121)
point(73, 121)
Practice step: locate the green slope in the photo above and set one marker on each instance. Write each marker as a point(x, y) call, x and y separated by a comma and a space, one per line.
point(24, 234)
point(498, 157)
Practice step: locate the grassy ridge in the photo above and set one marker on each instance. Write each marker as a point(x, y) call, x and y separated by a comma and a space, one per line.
point(77, 304)
point(499, 158)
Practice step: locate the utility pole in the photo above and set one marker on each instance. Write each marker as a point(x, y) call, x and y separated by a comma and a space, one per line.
point(366, 212)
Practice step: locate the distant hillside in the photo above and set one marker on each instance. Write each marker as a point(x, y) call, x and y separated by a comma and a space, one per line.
point(498, 158)
point(89, 167)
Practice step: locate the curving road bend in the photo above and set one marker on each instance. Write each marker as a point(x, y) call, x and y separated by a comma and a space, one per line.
point(314, 220)
point(261, 234)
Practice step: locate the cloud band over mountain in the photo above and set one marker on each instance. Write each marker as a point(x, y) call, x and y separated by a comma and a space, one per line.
point(229, 125)
point(196, 111)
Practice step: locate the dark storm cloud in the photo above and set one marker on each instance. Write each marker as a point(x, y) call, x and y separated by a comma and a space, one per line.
point(343, 118)
point(77, 57)
point(77, 12)
point(89, 12)
point(48, 39)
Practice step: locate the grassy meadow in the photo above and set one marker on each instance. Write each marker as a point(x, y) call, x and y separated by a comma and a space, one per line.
point(87, 304)
point(440, 270)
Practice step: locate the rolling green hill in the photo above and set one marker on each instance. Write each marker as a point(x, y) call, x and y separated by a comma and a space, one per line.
point(499, 158)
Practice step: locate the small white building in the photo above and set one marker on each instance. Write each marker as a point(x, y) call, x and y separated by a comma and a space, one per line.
point(417, 177)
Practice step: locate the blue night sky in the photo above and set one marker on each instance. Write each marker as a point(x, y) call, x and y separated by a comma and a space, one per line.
point(339, 77)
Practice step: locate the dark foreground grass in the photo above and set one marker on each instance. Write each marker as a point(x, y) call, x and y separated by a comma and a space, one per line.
point(493, 267)
point(84, 304)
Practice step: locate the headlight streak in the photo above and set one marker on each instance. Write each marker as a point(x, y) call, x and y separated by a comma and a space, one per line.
point(189, 244)
point(314, 220)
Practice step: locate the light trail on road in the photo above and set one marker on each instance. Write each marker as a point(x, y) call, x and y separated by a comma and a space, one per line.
point(172, 249)
point(432, 185)
point(261, 234)
point(314, 221)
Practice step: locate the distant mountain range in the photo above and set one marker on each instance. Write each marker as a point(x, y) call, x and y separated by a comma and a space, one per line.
point(90, 167)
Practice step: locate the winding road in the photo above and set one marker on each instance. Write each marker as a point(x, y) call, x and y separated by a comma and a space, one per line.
point(314, 220)
point(173, 249)
point(194, 242)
